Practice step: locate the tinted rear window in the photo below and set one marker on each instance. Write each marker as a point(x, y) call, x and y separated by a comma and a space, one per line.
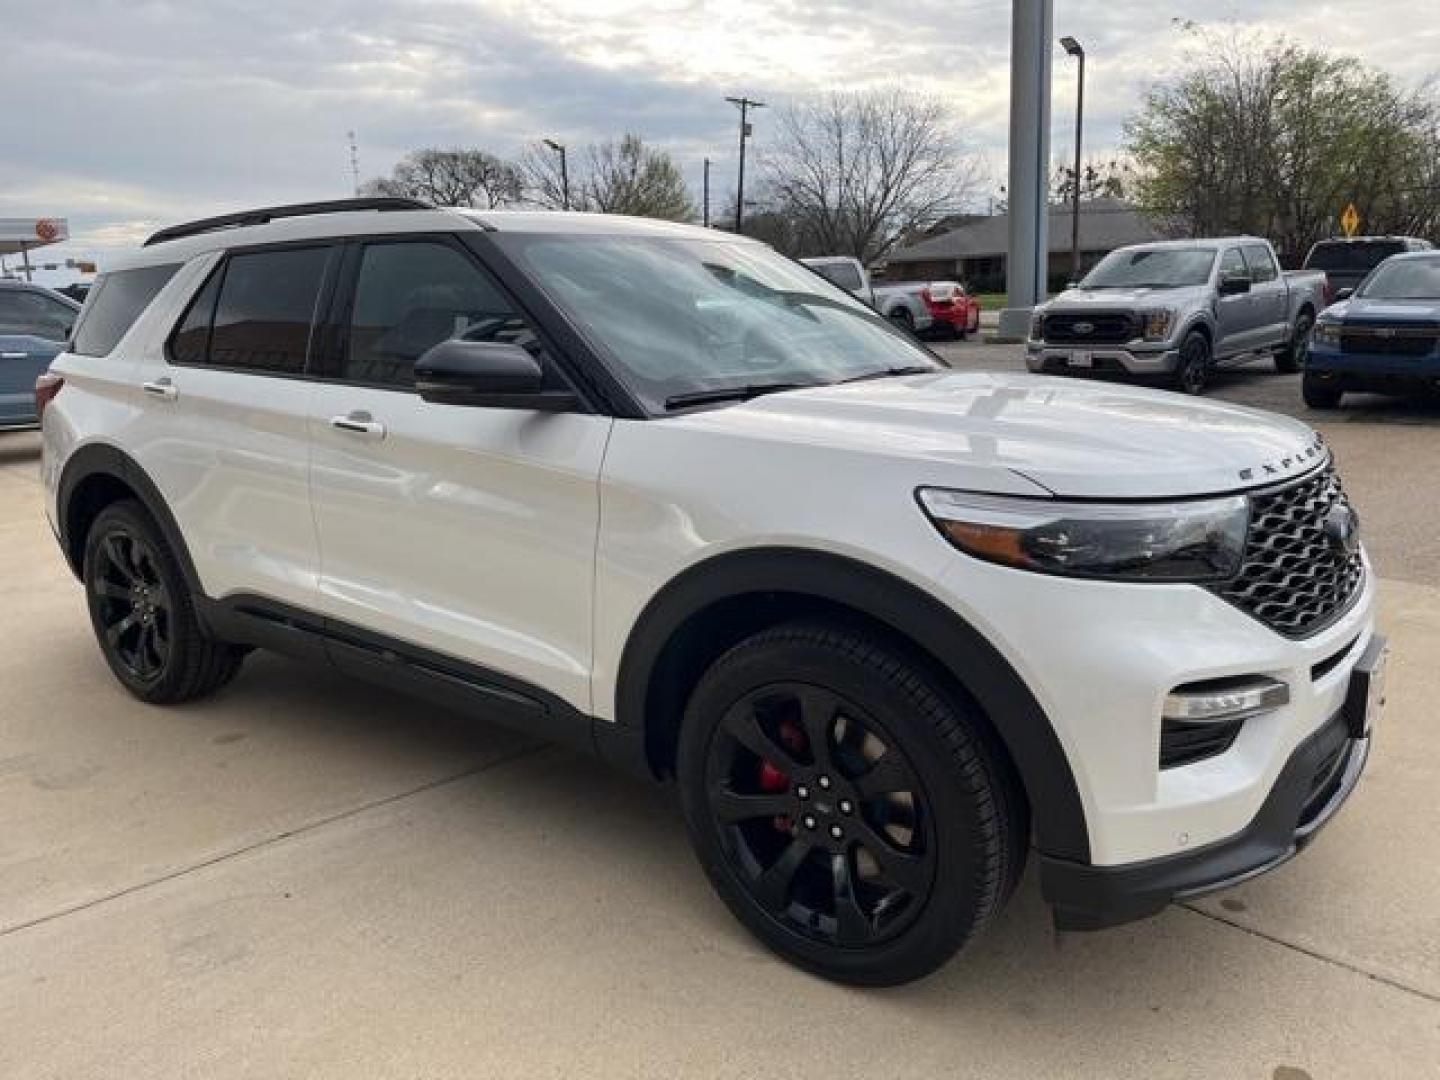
point(842, 274)
point(114, 304)
point(1353, 258)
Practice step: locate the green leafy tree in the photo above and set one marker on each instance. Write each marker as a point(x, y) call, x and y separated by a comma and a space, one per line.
point(1275, 139)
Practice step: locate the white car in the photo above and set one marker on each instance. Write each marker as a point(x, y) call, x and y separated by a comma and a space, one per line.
point(660, 493)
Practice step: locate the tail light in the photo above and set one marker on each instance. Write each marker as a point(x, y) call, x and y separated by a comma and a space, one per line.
point(47, 385)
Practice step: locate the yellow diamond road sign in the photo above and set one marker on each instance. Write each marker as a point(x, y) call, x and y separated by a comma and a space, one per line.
point(1350, 219)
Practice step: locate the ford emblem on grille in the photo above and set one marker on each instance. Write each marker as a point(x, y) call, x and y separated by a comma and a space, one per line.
point(1341, 527)
point(1083, 327)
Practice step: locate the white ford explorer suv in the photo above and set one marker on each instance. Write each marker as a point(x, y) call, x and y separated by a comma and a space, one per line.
point(660, 493)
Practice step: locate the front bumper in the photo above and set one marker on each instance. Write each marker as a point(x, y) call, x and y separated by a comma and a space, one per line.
point(1374, 372)
point(1317, 778)
point(1132, 359)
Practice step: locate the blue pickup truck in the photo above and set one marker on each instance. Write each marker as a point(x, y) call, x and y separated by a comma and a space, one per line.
point(1383, 338)
point(34, 323)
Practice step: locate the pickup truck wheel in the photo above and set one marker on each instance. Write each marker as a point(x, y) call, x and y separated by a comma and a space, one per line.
point(1320, 395)
point(1292, 357)
point(902, 318)
point(143, 614)
point(1192, 371)
point(850, 811)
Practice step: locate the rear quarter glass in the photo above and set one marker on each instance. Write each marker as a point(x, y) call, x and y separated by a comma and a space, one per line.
point(112, 307)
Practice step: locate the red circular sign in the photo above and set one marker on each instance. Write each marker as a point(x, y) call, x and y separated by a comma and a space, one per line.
point(47, 229)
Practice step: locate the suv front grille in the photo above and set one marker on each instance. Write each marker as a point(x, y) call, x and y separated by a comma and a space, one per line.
point(1413, 340)
point(1294, 579)
point(1090, 327)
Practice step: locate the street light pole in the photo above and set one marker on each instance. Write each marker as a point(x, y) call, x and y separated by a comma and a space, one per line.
point(559, 148)
point(745, 105)
point(1074, 49)
point(706, 200)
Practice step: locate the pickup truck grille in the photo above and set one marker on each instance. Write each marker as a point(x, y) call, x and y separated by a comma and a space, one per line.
point(1090, 327)
point(1411, 340)
point(1294, 578)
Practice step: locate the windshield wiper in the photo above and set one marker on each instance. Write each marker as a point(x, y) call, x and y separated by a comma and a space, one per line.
point(731, 393)
point(885, 373)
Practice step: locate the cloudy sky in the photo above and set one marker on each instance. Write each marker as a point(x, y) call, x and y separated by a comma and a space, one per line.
point(126, 114)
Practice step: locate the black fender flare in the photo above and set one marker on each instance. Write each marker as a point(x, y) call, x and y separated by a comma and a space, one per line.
point(104, 459)
point(948, 639)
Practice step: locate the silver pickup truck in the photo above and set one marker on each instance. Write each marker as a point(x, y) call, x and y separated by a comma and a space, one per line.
point(1177, 311)
point(901, 304)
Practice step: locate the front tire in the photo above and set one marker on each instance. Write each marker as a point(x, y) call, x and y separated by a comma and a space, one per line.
point(848, 808)
point(144, 615)
point(1192, 371)
point(1320, 395)
point(1292, 357)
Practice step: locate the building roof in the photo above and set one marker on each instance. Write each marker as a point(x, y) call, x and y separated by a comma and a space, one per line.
point(1105, 224)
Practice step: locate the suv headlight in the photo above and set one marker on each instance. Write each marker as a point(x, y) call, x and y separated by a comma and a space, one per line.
point(1327, 333)
point(1203, 540)
point(1157, 323)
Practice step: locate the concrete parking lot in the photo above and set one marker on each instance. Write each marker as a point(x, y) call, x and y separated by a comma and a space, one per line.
point(309, 877)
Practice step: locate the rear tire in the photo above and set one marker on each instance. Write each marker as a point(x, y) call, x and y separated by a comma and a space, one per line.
point(1192, 370)
point(144, 615)
point(1292, 357)
point(902, 318)
point(849, 809)
point(1320, 395)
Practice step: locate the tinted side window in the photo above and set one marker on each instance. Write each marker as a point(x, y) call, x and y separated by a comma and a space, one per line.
point(1232, 264)
point(265, 310)
point(1262, 263)
point(411, 296)
point(114, 304)
point(191, 343)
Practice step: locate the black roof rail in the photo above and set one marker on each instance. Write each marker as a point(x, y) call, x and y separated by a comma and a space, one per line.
point(271, 213)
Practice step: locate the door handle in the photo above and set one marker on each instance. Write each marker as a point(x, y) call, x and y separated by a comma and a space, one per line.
point(13, 355)
point(359, 423)
point(162, 388)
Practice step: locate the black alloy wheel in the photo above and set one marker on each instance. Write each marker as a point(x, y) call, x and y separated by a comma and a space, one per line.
point(824, 821)
point(848, 805)
point(133, 607)
point(1192, 372)
point(1292, 357)
point(143, 612)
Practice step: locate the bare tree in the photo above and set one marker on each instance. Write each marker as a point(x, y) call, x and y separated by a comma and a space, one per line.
point(474, 178)
point(860, 171)
point(616, 177)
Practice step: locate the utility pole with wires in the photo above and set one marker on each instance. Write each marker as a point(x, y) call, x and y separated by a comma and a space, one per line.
point(354, 160)
point(705, 201)
point(745, 104)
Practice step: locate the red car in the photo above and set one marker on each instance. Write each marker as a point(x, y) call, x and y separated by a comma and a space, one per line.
point(951, 306)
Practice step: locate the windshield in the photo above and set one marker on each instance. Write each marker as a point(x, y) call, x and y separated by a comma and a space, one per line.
point(676, 317)
point(1157, 267)
point(1404, 279)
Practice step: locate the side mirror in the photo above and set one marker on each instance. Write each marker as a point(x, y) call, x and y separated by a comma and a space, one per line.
point(486, 373)
point(1234, 286)
point(1343, 294)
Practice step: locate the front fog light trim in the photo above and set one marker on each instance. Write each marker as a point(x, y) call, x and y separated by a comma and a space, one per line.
point(1224, 701)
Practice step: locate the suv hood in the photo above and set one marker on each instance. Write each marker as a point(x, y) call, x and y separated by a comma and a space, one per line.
point(1364, 309)
point(1128, 298)
point(1075, 439)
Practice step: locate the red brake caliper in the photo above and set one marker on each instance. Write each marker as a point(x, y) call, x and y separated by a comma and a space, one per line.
point(773, 779)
